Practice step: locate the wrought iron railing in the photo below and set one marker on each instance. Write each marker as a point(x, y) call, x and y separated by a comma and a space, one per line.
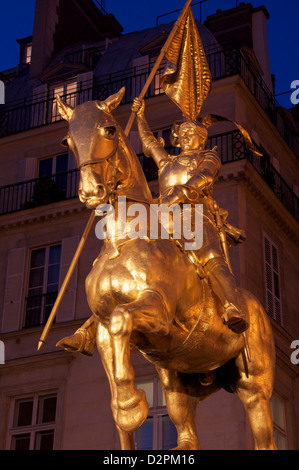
point(39, 191)
point(62, 186)
point(87, 56)
point(32, 112)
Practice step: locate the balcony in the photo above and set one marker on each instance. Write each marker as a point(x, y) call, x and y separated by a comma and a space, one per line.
point(39, 192)
point(63, 186)
point(28, 113)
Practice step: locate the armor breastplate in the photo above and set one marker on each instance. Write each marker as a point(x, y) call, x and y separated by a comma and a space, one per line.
point(176, 171)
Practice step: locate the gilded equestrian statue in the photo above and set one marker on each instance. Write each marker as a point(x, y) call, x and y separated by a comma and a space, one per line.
point(149, 294)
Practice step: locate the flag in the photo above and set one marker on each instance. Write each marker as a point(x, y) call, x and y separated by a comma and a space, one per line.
point(187, 79)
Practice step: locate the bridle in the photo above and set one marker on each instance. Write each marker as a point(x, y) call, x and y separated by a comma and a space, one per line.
point(96, 162)
point(111, 184)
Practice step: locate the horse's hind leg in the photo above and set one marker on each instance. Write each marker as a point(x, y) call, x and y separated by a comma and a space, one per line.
point(106, 352)
point(257, 405)
point(181, 409)
point(256, 383)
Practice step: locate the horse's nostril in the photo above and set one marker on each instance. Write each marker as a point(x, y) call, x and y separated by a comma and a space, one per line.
point(102, 191)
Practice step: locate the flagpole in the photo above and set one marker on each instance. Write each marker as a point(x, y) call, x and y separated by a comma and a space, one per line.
point(66, 281)
point(78, 252)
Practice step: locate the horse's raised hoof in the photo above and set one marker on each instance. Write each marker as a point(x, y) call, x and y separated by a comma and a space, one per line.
point(132, 413)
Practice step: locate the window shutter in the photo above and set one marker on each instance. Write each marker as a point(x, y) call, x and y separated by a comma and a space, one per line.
point(38, 116)
point(27, 169)
point(14, 288)
point(84, 87)
point(272, 278)
point(66, 309)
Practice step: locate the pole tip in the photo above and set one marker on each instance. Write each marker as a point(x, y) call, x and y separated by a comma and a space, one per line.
point(40, 343)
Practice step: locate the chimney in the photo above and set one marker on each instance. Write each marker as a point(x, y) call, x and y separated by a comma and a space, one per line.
point(244, 26)
point(45, 20)
point(62, 23)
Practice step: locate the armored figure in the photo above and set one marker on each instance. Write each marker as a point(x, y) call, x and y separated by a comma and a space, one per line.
point(189, 178)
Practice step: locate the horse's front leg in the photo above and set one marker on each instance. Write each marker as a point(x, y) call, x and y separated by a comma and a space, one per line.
point(105, 348)
point(147, 314)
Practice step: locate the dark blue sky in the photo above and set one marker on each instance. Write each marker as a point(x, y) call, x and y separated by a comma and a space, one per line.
point(17, 18)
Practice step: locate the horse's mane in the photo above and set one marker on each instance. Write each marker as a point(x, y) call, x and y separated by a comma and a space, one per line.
point(139, 184)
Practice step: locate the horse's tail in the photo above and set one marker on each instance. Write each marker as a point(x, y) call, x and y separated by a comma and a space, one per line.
point(227, 376)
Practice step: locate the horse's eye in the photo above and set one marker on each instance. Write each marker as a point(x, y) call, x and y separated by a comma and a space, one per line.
point(109, 132)
point(65, 141)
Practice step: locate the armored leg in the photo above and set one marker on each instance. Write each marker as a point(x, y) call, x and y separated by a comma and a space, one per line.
point(83, 340)
point(224, 286)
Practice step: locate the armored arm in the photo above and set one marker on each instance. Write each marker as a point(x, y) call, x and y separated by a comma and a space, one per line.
point(201, 181)
point(204, 176)
point(152, 147)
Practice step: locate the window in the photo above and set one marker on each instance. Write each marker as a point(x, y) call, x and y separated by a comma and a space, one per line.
point(272, 278)
point(157, 432)
point(53, 185)
point(68, 92)
point(279, 424)
point(25, 50)
point(141, 68)
point(27, 53)
point(51, 166)
point(32, 424)
point(43, 284)
point(156, 88)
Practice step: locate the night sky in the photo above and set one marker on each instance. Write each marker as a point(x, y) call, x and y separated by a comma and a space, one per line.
point(17, 18)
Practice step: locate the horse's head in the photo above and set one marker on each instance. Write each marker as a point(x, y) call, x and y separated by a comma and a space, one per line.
point(94, 137)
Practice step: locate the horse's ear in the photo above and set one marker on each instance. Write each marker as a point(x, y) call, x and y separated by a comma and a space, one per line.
point(112, 101)
point(65, 110)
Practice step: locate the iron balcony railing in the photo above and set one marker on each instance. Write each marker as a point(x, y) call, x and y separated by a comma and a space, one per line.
point(30, 112)
point(39, 192)
point(63, 186)
point(88, 56)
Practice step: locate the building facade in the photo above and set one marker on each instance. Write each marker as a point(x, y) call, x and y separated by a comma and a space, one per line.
point(53, 399)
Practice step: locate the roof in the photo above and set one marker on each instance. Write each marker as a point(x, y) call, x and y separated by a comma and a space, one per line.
point(122, 52)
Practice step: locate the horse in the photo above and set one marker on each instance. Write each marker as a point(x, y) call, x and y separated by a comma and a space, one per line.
point(146, 294)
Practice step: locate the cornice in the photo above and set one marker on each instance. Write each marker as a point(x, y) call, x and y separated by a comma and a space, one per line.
point(38, 361)
point(41, 215)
